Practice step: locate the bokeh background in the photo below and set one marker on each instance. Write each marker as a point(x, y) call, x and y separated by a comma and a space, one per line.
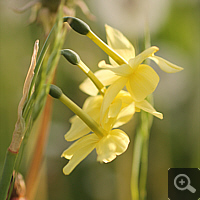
point(174, 141)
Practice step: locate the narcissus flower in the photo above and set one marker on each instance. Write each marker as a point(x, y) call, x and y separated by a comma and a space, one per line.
point(120, 111)
point(139, 79)
point(108, 142)
point(113, 143)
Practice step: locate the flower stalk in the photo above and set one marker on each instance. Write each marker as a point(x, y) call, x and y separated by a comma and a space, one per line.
point(57, 93)
point(83, 28)
point(140, 151)
point(113, 54)
point(74, 59)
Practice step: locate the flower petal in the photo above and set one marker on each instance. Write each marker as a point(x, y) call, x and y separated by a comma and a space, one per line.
point(120, 70)
point(114, 108)
point(147, 107)
point(78, 151)
point(111, 93)
point(142, 82)
point(117, 41)
point(125, 115)
point(165, 65)
point(77, 130)
point(103, 64)
point(115, 143)
point(134, 62)
point(107, 77)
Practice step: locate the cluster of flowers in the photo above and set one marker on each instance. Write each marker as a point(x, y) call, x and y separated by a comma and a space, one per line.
point(109, 106)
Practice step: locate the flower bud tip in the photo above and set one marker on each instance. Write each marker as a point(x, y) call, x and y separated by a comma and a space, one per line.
point(55, 91)
point(77, 25)
point(71, 56)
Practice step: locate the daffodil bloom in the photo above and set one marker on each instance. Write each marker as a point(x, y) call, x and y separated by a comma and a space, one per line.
point(108, 142)
point(119, 112)
point(139, 79)
point(113, 143)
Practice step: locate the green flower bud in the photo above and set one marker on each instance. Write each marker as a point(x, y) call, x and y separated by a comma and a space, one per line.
point(77, 25)
point(55, 91)
point(71, 56)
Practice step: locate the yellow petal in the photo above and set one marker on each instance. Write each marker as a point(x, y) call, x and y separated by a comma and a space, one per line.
point(114, 108)
point(142, 82)
point(165, 65)
point(92, 103)
point(147, 107)
point(91, 106)
point(115, 143)
point(107, 77)
point(134, 62)
point(120, 70)
point(103, 64)
point(117, 41)
point(78, 151)
point(125, 115)
point(77, 130)
point(111, 93)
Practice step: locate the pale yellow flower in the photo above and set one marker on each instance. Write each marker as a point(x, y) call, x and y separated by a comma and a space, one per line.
point(119, 112)
point(139, 79)
point(114, 143)
point(107, 141)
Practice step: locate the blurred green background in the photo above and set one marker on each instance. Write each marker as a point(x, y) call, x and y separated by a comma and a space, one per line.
point(174, 141)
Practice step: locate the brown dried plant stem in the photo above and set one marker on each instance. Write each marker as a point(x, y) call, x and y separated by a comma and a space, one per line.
point(19, 132)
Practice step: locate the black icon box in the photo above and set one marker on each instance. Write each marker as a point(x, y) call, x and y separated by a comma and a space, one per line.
point(184, 184)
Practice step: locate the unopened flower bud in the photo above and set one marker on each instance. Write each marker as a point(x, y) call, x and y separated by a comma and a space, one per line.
point(55, 91)
point(77, 25)
point(71, 56)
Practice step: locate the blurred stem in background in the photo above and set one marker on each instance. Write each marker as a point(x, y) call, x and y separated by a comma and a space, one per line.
point(43, 131)
point(141, 146)
point(35, 91)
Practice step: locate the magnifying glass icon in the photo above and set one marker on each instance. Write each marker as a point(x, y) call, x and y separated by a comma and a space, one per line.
point(183, 183)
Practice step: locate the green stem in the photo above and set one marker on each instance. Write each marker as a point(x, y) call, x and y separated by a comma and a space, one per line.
point(108, 50)
point(84, 116)
point(7, 174)
point(99, 85)
point(146, 122)
point(140, 156)
point(136, 167)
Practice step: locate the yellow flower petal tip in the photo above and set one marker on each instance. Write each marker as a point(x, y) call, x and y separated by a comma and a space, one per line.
point(158, 115)
point(165, 65)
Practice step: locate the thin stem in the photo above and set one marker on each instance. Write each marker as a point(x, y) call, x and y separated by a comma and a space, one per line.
point(35, 165)
point(7, 173)
point(99, 85)
point(146, 122)
point(140, 157)
point(136, 167)
point(114, 55)
point(84, 116)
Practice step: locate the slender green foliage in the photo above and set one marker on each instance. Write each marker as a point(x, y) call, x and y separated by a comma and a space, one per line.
point(35, 99)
